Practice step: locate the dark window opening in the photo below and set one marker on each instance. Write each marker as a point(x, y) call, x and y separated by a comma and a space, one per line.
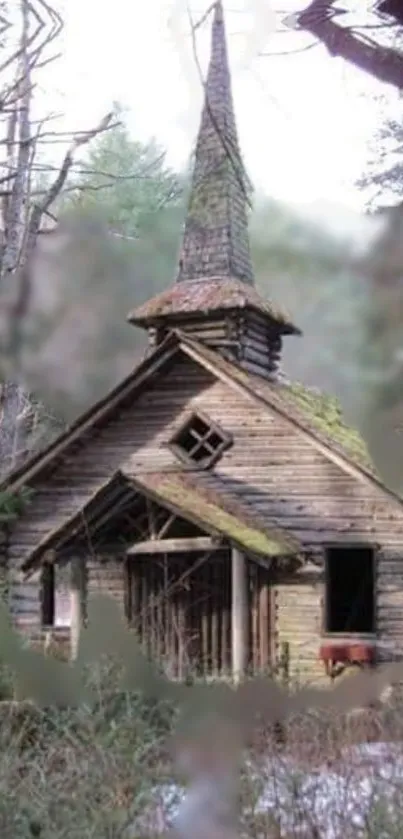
point(200, 441)
point(350, 590)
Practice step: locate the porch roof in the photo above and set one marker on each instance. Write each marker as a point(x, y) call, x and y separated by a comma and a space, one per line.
point(212, 508)
point(217, 511)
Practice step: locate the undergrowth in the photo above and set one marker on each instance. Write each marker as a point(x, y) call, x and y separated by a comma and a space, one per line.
point(105, 772)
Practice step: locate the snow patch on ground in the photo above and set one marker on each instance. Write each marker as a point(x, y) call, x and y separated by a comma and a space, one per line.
point(361, 796)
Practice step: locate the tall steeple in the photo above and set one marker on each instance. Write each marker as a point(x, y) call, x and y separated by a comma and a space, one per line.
point(216, 241)
point(214, 298)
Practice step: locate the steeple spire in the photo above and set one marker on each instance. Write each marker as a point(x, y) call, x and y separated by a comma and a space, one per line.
point(214, 298)
point(215, 241)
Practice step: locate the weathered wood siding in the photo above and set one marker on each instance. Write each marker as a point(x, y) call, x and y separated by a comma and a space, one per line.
point(293, 485)
point(297, 619)
point(107, 576)
point(248, 338)
point(25, 599)
point(140, 432)
point(390, 602)
point(260, 345)
point(271, 465)
point(262, 641)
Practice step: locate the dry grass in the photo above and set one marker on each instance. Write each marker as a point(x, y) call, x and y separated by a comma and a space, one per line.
point(329, 777)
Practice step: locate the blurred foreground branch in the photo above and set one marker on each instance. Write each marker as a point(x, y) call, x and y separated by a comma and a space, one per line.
point(381, 61)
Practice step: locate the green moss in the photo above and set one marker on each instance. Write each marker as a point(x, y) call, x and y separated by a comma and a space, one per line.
point(12, 505)
point(324, 413)
point(178, 491)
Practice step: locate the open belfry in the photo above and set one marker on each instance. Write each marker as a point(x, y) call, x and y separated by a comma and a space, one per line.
point(233, 516)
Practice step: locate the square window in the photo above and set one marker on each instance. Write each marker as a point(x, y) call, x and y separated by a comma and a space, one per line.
point(200, 441)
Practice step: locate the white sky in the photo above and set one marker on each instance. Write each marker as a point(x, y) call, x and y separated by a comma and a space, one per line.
point(304, 121)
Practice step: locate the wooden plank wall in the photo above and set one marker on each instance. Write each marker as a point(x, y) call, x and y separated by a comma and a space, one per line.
point(107, 576)
point(390, 603)
point(260, 348)
point(297, 607)
point(211, 331)
point(103, 576)
point(24, 598)
point(270, 465)
point(140, 432)
point(261, 620)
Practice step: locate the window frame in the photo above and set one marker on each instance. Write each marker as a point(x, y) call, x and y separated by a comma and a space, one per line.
point(48, 599)
point(374, 548)
point(226, 441)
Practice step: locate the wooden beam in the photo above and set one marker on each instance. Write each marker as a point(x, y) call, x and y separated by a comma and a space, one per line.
point(239, 613)
point(167, 524)
point(162, 546)
point(152, 518)
point(77, 600)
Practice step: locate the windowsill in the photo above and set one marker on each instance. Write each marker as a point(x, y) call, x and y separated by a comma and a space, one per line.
point(346, 636)
point(56, 629)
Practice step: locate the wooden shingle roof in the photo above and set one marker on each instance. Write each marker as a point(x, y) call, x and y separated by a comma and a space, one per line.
point(202, 297)
point(216, 240)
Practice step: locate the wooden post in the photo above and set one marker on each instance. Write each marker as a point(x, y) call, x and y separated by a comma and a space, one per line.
point(77, 600)
point(239, 628)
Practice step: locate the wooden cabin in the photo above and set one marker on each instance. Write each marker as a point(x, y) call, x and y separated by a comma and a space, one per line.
point(233, 517)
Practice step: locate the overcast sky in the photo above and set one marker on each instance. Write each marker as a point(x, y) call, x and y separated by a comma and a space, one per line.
point(305, 120)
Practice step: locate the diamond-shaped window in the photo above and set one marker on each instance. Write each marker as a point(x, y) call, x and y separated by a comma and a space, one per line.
point(200, 441)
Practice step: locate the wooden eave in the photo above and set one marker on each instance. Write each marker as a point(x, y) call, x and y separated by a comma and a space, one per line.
point(98, 414)
point(217, 512)
point(108, 498)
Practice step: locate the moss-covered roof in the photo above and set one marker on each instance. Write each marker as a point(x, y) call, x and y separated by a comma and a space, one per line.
point(312, 411)
point(216, 511)
point(325, 413)
point(204, 296)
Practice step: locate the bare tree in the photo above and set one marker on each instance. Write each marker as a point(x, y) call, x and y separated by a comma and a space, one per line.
point(28, 32)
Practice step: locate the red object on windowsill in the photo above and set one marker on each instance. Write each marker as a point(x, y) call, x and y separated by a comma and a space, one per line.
point(347, 652)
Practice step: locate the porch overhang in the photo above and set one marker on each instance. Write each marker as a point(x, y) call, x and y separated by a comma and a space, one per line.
point(215, 512)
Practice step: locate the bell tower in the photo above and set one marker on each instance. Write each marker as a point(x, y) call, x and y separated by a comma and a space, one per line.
point(214, 297)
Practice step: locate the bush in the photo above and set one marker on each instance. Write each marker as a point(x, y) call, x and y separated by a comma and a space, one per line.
point(80, 772)
point(104, 771)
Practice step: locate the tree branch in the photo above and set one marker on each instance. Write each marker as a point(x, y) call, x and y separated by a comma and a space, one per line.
point(382, 62)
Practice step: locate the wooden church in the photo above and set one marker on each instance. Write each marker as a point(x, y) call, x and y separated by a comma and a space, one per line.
point(237, 529)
